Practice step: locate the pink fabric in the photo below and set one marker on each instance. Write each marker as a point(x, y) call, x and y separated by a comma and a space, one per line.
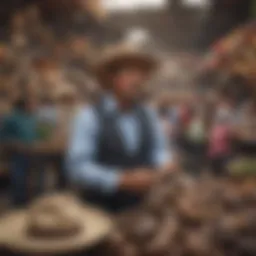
point(220, 143)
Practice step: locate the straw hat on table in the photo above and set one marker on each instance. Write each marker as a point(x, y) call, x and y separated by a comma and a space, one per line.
point(54, 225)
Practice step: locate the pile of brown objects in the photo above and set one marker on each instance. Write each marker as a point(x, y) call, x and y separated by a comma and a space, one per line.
point(183, 216)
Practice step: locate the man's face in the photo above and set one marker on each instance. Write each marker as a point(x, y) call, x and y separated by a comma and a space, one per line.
point(127, 84)
point(67, 101)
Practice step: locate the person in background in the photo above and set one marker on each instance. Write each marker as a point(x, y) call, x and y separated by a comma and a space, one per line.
point(220, 143)
point(169, 117)
point(19, 134)
point(5, 108)
point(117, 147)
point(185, 114)
point(196, 137)
point(47, 117)
point(196, 131)
point(47, 125)
point(54, 118)
point(226, 105)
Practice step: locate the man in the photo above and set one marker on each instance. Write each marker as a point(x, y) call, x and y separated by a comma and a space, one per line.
point(117, 145)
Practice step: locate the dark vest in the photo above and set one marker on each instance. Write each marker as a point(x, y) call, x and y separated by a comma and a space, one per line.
point(112, 153)
point(111, 148)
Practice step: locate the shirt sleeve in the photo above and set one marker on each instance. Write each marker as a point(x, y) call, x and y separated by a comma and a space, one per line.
point(81, 164)
point(161, 151)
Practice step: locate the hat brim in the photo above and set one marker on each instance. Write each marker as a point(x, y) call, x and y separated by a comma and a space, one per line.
point(108, 67)
point(95, 228)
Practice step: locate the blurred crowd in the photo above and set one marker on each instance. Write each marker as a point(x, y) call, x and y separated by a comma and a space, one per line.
point(210, 127)
point(44, 78)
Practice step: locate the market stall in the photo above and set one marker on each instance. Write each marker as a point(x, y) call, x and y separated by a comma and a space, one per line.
point(230, 66)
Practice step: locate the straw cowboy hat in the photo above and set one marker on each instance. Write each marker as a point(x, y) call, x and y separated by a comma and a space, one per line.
point(54, 225)
point(118, 57)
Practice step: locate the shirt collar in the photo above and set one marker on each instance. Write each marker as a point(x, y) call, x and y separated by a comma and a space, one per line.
point(109, 102)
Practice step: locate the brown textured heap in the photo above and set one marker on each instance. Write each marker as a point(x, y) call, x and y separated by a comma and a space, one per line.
point(182, 216)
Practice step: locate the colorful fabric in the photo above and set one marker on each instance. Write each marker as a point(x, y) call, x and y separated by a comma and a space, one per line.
point(220, 143)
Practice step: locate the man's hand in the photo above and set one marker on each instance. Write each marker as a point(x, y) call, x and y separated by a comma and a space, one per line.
point(138, 181)
point(170, 168)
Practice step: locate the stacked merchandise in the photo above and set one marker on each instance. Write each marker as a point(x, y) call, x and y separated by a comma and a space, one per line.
point(67, 43)
point(184, 216)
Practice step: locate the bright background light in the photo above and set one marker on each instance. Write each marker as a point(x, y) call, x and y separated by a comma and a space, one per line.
point(137, 36)
point(130, 5)
point(119, 5)
point(196, 2)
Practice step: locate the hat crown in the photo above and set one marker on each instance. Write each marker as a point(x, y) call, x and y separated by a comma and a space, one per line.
point(122, 56)
point(111, 52)
point(54, 216)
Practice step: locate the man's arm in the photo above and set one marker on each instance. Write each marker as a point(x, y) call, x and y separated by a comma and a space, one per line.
point(82, 148)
